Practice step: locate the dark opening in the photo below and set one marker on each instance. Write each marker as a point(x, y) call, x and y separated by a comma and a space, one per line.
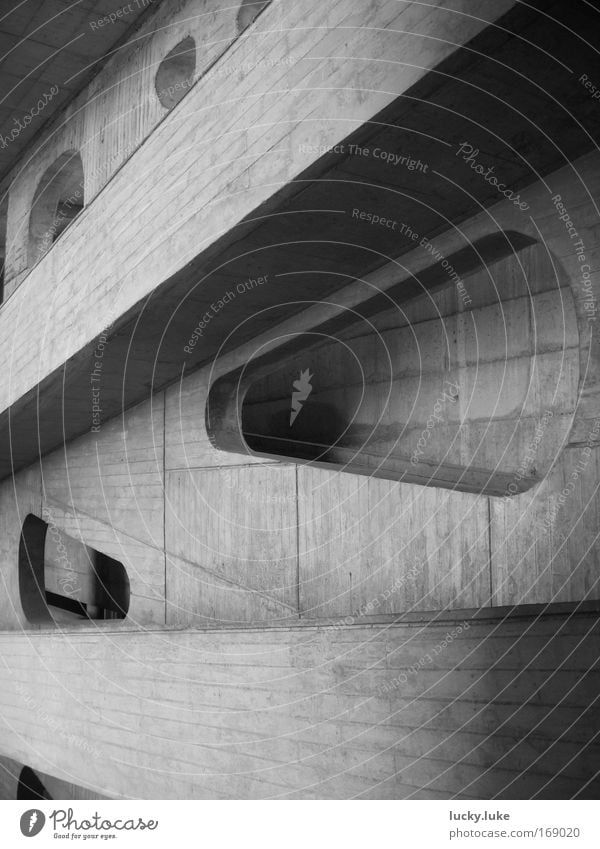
point(175, 73)
point(31, 570)
point(66, 212)
point(296, 409)
point(31, 786)
point(424, 399)
point(58, 200)
point(63, 580)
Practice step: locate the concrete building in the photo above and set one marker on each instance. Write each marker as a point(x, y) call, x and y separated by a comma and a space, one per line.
point(300, 400)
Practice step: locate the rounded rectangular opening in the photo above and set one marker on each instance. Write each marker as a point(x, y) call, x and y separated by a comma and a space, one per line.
point(64, 581)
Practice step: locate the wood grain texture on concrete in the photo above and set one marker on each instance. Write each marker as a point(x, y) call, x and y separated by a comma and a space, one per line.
point(131, 215)
point(107, 488)
point(300, 631)
point(232, 548)
point(469, 709)
point(175, 235)
point(117, 110)
point(11, 773)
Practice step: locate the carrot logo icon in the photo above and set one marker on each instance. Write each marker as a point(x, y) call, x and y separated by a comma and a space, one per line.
point(32, 822)
point(302, 389)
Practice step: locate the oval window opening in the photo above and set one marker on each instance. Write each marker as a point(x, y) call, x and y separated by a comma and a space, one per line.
point(58, 200)
point(175, 73)
point(425, 400)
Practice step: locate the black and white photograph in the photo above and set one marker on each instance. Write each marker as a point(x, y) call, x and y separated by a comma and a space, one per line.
point(300, 423)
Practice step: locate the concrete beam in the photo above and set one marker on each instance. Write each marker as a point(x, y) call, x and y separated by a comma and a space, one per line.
point(212, 172)
point(268, 205)
point(473, 708)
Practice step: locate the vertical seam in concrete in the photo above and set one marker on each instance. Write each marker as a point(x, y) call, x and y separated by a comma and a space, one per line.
point(489, 515)
point(164, 473)
point(297, 544)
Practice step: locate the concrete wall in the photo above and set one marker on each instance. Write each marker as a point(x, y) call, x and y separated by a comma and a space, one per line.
point(209, 537)
point(109, 120)
point(212, 539)
point(456, 709)
point(10, 772)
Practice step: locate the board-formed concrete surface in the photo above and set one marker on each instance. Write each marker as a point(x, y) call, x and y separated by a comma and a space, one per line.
point(302, 245)
point(453, 708)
